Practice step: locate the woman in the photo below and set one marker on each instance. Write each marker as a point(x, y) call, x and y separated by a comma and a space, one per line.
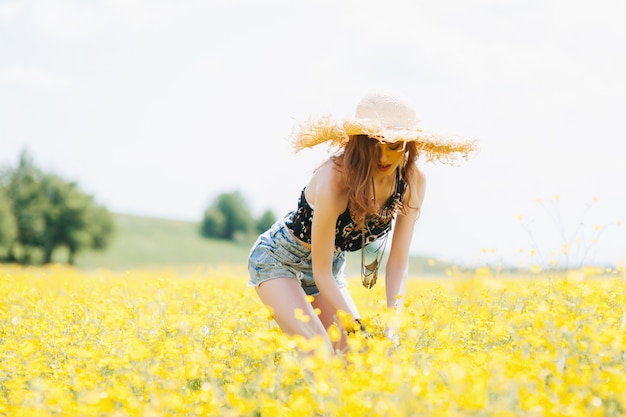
point(350, 201)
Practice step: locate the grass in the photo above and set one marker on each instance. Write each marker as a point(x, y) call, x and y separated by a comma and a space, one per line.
point(147, 242)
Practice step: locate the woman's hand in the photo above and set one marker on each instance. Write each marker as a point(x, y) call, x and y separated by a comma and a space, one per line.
point(392, 333)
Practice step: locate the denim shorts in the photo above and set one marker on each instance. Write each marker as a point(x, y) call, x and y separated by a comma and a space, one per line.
point(278, 254)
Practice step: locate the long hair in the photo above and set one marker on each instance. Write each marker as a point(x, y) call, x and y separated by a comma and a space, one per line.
point(356, 162)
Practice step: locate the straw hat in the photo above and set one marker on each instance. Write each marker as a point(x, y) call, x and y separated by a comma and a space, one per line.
point(388, 119)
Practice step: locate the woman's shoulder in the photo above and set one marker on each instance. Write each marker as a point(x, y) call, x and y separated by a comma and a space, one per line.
point(416, 181)
point(420, 177)
point(415, 177)
point(328, 179)
point(329, 174)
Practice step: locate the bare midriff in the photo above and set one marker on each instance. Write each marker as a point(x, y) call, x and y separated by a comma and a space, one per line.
point(303, 243)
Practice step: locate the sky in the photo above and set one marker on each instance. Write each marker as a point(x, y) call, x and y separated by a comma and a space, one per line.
point(157, 107)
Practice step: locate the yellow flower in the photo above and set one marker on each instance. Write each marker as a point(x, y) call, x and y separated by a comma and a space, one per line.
point(150, 343)
point(299, 313)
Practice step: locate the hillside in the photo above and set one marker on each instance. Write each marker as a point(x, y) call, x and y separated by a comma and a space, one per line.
point(153, 242)
point(143, 242)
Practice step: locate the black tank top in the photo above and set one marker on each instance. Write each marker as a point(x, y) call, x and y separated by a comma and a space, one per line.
point(347, 238)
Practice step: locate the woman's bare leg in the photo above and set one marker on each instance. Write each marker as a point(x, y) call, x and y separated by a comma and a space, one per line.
point(283, 296)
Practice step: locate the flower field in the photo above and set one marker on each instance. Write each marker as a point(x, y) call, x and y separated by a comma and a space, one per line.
point(163, 343)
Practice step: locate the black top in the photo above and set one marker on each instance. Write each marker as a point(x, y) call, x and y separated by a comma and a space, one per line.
point(346, 237)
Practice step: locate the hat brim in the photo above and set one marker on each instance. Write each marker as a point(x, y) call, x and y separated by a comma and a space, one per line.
point(432, 147)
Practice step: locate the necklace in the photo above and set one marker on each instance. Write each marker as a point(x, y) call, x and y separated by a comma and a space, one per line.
point(369, 272)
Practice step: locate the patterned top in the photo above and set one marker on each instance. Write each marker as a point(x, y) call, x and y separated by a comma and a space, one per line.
point(347, 238)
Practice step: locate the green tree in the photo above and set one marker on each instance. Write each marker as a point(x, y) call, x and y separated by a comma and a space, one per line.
point(51, 213)
point(101, 227)
point(97, 233)
point(73, 220)
point(237, 219)
point(213, 223)
point(8, 224)
point(29, 207)
point(267, 219)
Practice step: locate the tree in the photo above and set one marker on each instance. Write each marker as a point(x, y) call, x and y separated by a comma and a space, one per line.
point(29, 206)
point(213, 223)
point(227, 218)
point(50, 213)
point(101, 227)
point(267, 219)
point(72, 219)
point(97, 233)
point(237, 217)
point(8, 224)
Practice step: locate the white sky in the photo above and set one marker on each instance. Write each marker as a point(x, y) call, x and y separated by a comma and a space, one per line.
point(155, 107)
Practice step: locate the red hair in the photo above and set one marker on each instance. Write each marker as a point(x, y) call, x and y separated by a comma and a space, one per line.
point(355, 163)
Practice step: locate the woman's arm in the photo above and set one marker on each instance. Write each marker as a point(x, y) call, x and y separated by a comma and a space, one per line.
point(330, 200)
point(398, 263)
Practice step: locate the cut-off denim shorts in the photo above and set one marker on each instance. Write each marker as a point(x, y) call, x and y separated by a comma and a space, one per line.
point(278, 254)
